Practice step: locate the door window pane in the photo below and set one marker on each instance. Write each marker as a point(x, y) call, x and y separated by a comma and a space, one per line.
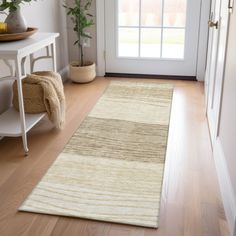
point(151, 13)
point(151, 43)
point(128, 42)
point(151, 28)
point(175, 13)
point(128, 12)
point(173, 43)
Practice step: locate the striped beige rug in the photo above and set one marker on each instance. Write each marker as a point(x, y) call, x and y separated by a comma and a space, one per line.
point(112, 168)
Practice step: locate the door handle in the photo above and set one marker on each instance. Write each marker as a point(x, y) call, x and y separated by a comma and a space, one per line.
point(212, 24)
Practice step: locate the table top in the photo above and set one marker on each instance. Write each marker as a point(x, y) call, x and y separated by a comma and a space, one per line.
point(27, 45)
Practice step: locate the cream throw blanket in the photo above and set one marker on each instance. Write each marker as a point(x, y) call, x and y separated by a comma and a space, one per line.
point(43, 91)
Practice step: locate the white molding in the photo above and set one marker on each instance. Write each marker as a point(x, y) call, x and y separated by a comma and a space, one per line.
point(203, 39)
point(64, 73)
point(226, 188)
point(100, 23)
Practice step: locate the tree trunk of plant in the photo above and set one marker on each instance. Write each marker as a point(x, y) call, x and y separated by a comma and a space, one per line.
point(81, 55)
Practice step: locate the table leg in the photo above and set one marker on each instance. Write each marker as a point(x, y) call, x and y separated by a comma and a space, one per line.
point(21, 104)
point(54, 61)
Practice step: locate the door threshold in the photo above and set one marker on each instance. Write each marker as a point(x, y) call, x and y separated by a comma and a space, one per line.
point(145, 76)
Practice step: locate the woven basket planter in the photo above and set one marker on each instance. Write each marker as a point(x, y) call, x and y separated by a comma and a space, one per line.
point(82, 74)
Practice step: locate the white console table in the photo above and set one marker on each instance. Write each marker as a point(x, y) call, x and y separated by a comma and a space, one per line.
point(13, 123)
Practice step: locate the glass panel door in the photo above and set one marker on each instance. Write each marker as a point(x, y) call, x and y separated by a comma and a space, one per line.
point(152, 36)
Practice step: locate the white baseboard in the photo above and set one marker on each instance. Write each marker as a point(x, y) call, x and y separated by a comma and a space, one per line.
point(226, 188)
point(64, 73)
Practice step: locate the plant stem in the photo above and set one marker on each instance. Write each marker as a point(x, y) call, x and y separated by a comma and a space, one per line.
point(82, 55)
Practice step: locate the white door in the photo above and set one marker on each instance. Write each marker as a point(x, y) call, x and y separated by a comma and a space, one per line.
point(158, 37)
point(216, 62)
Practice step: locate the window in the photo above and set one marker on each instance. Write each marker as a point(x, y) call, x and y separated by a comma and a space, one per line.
point(151, 28)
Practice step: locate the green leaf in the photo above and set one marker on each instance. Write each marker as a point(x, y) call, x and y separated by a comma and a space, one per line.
point(13, 4)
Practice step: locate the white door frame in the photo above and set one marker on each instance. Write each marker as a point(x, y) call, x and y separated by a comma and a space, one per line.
point(224, 180)
point(100, 23)
point(202, 43)
point(214, 122)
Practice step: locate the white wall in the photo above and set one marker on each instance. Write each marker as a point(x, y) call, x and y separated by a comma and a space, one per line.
point(224, 147)
point(228, 115)
point(48, 16)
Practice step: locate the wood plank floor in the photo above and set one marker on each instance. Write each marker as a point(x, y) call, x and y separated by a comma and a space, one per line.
point(191, 202)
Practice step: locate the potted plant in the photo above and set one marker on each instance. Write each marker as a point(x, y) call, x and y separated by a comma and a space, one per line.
point(15, 20)
point(81, 71)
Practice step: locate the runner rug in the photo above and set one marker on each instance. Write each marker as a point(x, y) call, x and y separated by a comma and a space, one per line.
point(112, 168)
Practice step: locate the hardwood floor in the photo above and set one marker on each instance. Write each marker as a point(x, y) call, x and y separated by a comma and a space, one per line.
point(191, 202)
